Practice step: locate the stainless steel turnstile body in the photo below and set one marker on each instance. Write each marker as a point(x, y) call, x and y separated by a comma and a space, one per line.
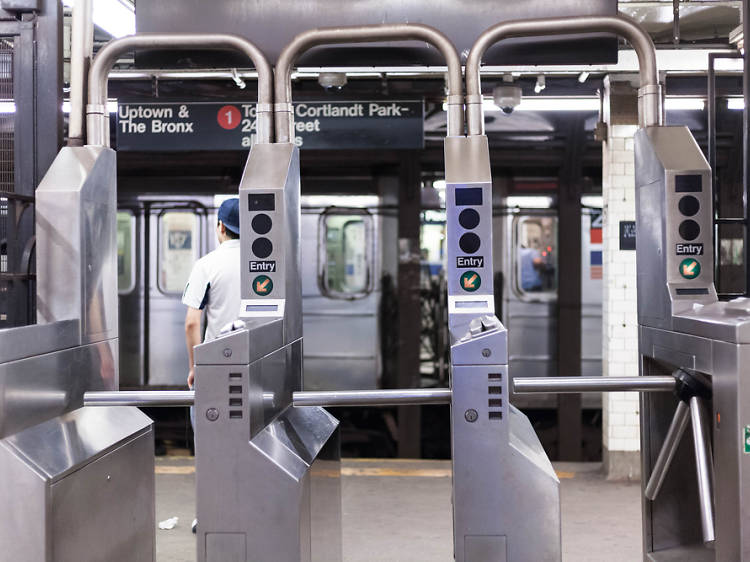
point(78, 483)
point(267, 473)
point(506, 498)
point(700, 512)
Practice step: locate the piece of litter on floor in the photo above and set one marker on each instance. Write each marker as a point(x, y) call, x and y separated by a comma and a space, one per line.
point(168, 524)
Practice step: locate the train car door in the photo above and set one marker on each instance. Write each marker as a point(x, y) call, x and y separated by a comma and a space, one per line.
point(159, 240)
point(340, 295)
point(529, 267)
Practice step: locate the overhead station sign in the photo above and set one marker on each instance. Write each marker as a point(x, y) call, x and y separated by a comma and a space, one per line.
point(318, 125)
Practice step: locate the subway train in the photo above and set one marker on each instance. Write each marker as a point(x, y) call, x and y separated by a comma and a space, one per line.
point(349, 248)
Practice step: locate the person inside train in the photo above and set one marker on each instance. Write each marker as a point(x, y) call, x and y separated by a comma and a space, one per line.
point(531, 264)
point(214, 287)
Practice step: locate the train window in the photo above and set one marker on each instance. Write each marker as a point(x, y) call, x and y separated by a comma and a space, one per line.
point(178, 249)
point(125, 251)
point(535, 257)
point(345, 253)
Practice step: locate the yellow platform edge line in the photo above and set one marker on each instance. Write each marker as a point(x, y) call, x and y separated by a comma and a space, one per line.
point(362, 471)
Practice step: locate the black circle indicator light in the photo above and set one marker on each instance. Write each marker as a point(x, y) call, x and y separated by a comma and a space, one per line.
point(469, 243)
point(468, 218)
point(262, 247)
point(689, 230)
point(689, 205)
point(261, 223)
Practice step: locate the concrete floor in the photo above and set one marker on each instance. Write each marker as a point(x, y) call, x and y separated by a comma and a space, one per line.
point(396, 510)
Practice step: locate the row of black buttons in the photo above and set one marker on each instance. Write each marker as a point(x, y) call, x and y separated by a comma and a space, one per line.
point(689, 206)
point(469, 242)
point(261, 224)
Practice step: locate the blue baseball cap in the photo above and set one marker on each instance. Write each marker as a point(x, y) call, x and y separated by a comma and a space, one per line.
point(229, 214)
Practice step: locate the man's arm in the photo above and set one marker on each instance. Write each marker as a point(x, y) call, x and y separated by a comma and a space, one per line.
point(192, 338)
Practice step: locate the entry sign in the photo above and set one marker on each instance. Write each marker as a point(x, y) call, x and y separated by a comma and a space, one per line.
point(383, 124)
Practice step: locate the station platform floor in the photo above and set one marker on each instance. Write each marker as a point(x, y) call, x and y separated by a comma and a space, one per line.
point(400, 510)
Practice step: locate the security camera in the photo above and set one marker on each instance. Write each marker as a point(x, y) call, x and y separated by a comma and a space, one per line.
point(507, 98)
point(332, 80)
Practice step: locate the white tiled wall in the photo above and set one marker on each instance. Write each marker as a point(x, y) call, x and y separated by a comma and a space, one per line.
point(619, 314)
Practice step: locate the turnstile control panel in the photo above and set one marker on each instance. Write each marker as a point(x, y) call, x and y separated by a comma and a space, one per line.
point(269, 236)
point(262, 218)
point(674, 227)
point(469, 232)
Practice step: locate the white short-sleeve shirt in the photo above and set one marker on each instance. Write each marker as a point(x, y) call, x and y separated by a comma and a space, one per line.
point(214, 285)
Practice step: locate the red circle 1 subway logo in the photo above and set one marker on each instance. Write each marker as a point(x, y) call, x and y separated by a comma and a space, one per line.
point(229, 117)
point(470, 281)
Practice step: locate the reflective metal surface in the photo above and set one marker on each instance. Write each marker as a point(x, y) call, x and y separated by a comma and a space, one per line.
point(372, 397)
point(38, 339)
point(668, 450)
point(506, 502)
point(561, 385)
point(80, 487)
point(142, 398)
point(97, 114)
point(271, 181)
point(650, 105)
point(43, 386)
point(682, 325)
point(704, 470)
point(77, 242)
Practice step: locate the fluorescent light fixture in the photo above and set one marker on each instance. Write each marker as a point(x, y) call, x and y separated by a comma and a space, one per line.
point(529, 201)
point(685, 104)
point(7, 107)
point(116, 17)
point(736, 103)
point(111, 106)
point(592, 104)
point(592, 201)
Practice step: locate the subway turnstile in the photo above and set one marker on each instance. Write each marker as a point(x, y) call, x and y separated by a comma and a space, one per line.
point(506, 499)
point(698, 512)
point(267, 473)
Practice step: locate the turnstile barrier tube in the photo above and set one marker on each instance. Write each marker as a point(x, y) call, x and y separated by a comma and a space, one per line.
point(703, 466)
point(182, 398)
point(142, 398)
point(283, 112)
point(562, 385)
point(372, 397)
point(649, 94)
point(97, 116)
point(669, 448)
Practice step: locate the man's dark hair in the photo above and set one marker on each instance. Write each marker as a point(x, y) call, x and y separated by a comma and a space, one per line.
point(230, 234)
